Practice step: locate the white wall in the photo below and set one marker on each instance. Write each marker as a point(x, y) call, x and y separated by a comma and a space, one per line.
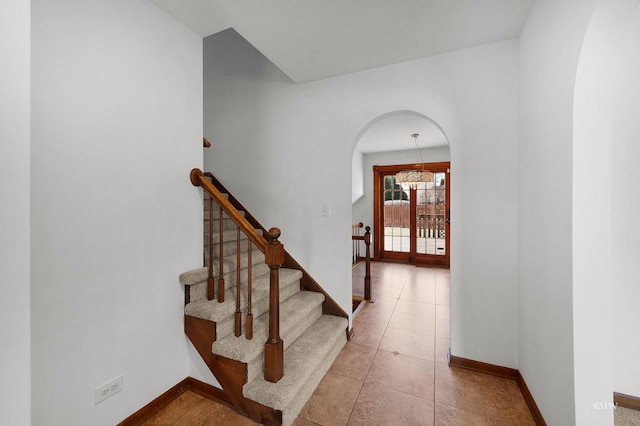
point(362, 210)
point(626, 210)
point(550, 47)
point(286, 149)
point(357, 173)
point(594, 287)
point(117, 126)
point(15, 355)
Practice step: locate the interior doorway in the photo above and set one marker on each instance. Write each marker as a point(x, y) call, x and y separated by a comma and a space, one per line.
point(412, 224)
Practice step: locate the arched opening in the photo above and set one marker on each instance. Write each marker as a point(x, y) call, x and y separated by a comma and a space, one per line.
point(408, 224)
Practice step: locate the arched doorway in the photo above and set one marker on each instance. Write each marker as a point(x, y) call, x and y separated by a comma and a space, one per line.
point(409, 225)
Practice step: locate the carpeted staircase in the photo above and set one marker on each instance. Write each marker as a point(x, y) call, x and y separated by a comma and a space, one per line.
point(312, 340)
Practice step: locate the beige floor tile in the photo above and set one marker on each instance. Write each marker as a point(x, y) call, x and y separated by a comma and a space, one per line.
point(367, 334)
point(413, 307)
point(377, 405)
point(443, 293)
point(381, 302)
point(408, 343)
point(332, 401)
point(422, 272)
point(451, 416)
point(403, 373)
point(419, 293)
point(520, 405)
point(475, 392)
point(443, 328)
point(388, 280)
point(443, 312)
point(206, 414)
point(373, 315)
point(353, 361)
point(417, 324)
point(302, 422)
point(442, 350)
point(385, 291)
point(170, 414)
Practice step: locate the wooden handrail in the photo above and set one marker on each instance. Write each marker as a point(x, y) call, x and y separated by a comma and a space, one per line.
point(199, 179)
point(355, 248)
point(329, 306)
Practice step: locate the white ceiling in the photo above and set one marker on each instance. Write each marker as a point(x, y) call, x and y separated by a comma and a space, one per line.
point(316, 39)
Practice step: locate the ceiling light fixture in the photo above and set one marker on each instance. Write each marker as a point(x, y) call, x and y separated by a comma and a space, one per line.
point(416, 177)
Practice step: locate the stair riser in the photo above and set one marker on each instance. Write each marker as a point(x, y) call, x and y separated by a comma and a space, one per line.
point(199, 291)
point(256, 366)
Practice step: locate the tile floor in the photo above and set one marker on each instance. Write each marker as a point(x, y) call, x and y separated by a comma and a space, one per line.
point(393, 372)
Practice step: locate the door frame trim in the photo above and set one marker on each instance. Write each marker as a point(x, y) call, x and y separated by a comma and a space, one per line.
point(378, 224)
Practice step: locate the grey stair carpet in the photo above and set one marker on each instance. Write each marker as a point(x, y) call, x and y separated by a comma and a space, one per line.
point(626, 417)
point(311, 340)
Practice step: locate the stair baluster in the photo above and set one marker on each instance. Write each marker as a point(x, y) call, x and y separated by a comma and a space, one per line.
point(249, 320)
point(220, 262)
point(210, 285)
point(238, 319)
point(355, 246)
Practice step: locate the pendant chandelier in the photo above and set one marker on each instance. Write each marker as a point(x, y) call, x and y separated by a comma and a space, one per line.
point(416, 177)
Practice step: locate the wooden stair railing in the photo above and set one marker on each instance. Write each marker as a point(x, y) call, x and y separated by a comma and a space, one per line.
point(355, 244)
point(329, 306)
point(356, 238)
point(274, 258)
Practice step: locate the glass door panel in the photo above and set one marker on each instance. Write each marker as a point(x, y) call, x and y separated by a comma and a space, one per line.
point(431, 212)
point(396, 217)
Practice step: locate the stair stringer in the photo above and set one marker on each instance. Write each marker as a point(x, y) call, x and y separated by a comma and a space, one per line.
point(231, 374)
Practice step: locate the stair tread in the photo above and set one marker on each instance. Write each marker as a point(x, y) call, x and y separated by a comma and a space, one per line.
point(292, 310)
point(194, 276)
point(215, 311)
point(300, 361)
point(198, 275)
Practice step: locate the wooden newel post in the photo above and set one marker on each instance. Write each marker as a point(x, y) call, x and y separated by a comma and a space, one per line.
point(274, 349)
point(367, 276)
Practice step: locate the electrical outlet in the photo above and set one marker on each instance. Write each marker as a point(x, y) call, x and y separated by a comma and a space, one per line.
point(326, 210)
point(108, 389)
